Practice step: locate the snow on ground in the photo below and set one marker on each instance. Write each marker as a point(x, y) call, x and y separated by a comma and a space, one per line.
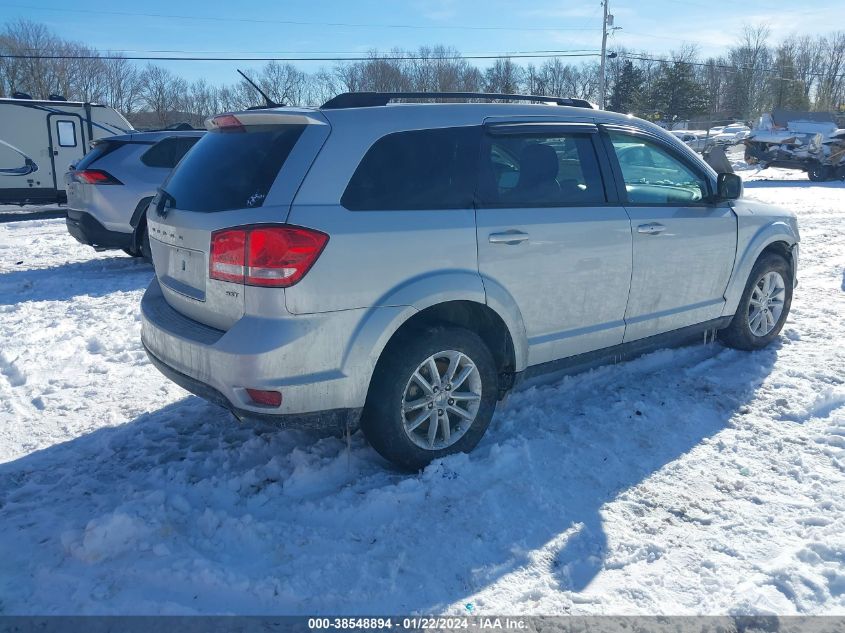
point(700, 480)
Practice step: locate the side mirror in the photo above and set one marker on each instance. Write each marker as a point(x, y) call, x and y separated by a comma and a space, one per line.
point(728, 186)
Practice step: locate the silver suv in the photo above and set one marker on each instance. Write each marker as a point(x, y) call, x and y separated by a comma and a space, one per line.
point(109, 190)
point(403, 266)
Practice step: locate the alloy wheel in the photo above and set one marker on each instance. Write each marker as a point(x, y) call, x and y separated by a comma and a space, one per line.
point(766, 303)
point(441, 400)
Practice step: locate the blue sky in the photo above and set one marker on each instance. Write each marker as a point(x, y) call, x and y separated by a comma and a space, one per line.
point(653, 25)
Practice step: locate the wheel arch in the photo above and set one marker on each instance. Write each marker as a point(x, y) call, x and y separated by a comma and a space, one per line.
point(776, 237)
point(382, 327)
point(471, 315)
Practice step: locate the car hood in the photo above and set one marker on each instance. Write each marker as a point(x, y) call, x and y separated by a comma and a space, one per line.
point(756, 207)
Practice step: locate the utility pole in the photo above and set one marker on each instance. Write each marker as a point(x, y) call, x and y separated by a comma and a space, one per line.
point(603, 54)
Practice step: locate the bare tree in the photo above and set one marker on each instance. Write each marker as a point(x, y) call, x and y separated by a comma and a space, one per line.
point(321, 86)
point(121, 84)
point(831, 87)
point(283, 83)
point(503, 76)
point(162, 93)
point(751, 59)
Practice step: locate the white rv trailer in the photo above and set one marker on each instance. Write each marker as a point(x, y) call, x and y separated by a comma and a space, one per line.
point(39, 140)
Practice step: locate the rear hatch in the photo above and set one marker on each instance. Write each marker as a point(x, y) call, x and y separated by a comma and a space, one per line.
point(87, 173)
point(245, 171)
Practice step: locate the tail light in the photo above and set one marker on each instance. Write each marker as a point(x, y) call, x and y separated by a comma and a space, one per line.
point(95, 177)
point(228, 123)
point(270, 256)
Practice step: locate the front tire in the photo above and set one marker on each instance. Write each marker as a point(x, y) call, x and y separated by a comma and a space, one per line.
point(818, 173)
point(433, 393)
point(764, 305)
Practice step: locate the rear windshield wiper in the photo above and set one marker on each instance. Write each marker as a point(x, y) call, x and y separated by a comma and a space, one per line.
point(163, 202)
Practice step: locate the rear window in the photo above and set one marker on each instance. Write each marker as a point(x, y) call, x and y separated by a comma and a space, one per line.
point(100, 149)
point(419, 169)
point(231, 169)
point(169, 151)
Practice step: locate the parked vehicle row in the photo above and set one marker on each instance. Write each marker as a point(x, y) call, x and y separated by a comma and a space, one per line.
point(694, 139)
point(402, 267)
point(732, 134)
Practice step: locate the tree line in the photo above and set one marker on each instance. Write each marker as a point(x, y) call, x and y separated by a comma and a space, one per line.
point(753, 76)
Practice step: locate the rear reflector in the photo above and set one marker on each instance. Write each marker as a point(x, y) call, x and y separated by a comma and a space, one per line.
point(261, 255)
point(95, 177)
point(265, 398)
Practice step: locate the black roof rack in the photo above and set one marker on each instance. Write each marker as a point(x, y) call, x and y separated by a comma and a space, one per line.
point(370, 99)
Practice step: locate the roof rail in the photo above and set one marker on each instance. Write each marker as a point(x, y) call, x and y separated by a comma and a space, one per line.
point(369, 99)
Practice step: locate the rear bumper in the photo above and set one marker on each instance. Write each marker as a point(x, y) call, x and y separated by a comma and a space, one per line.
point(86, 229)
point(335, 419)
point(296, 355)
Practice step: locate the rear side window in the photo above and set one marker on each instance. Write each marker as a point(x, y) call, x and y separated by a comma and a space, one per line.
point(419, 169)
point(540, 170)
point(100, 149)
point(230, 169)
point(169, 151)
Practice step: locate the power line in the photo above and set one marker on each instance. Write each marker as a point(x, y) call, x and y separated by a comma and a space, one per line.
point(303, 59)
point(119, 51)
point(210, 18)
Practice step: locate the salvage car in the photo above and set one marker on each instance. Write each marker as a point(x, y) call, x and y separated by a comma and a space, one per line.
point(809, 141)
point(402, 267)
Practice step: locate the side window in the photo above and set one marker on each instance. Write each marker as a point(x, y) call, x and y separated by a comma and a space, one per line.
point(419, 169)
point(652, 175)
point(162, 154)
point(539, 170)
point(67, 133)
point(167, 152)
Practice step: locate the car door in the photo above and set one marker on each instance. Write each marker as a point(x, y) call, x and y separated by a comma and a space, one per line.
point(553, 236)
point(684, 242)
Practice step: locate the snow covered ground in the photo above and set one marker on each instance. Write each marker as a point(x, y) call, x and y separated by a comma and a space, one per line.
point(693, 481)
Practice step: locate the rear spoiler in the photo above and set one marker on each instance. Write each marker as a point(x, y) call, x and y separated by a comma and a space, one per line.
point(279, 116)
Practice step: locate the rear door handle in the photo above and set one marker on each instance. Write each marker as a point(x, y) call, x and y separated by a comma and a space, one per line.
point(508, 237)
point(651, 229)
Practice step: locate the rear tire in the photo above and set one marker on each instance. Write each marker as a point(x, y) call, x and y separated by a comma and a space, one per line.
point(145, 251)
point(763, 307)
point(407, 399)
point(143, 248)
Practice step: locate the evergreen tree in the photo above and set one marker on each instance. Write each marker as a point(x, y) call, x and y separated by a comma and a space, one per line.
point(677, 94)
point(627, 89)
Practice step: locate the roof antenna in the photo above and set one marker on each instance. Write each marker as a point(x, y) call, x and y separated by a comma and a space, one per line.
point(268, 102)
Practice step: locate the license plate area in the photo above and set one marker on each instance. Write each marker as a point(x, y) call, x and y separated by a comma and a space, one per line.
point(186, 272)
